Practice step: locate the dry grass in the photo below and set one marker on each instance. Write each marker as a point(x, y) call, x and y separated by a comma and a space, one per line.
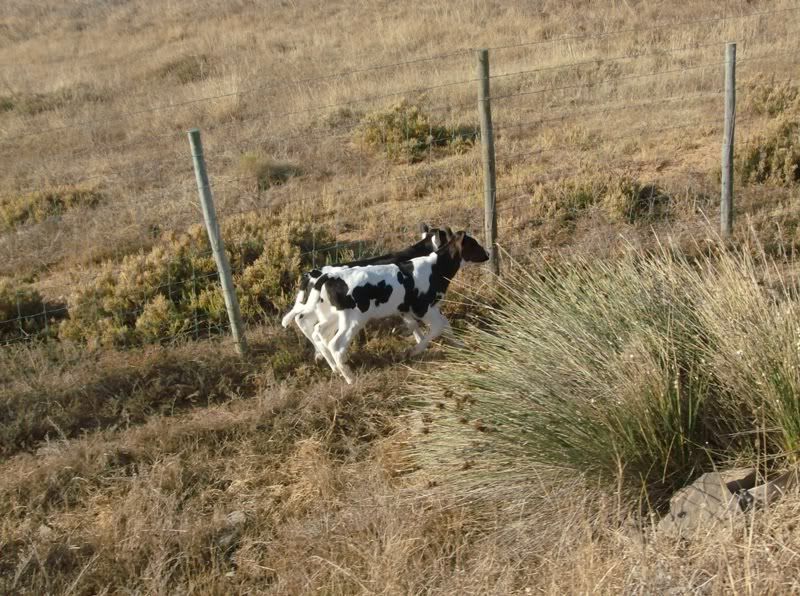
point(106, 487)
point(141, 159)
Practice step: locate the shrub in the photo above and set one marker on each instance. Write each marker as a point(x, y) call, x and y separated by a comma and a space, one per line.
point(22, 310)
point(638, 374)
point(188, 69)
point(767, 97)
point(39, 205)
point(773, 157)
point(174, 288)
point(629, 200)
point(266, 172)
point(621, 197)
point(406, 134)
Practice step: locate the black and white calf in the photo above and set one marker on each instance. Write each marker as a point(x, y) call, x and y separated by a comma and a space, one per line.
point(432, 239)
point(346, 299)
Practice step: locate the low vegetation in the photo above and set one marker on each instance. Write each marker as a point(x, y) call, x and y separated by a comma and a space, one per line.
point(173, 289)
point(32, 104)
point(621, 197)
point(624, 354)
point(775, 155)
point(266, 172)
point(22, 311)
point(42, 204)
point(767, 97)
point(188, 69)
point(405, 133)
point(638, 374)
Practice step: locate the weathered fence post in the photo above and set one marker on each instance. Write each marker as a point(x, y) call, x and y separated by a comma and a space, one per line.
point(487, 144)
point(215, 238)
point(726, 205)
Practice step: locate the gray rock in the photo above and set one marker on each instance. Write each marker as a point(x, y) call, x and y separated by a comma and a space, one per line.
point(709, 500)
point(236, 518)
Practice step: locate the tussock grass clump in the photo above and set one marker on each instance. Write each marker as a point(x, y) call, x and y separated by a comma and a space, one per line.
point(774, 156)
point(265, 172)
point(640, 374)
point(621, 197)
point(188, 69)
point(39, 205)
point(405, 133)
point(32, 104)
point(174, 289)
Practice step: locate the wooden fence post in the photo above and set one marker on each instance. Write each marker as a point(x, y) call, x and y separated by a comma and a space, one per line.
point(215, 238)
point(487, 145)
point(726, 204)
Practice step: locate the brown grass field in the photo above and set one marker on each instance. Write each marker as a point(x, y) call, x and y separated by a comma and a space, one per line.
point(170, 465)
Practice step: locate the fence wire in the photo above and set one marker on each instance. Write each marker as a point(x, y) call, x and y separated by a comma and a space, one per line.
point(461, 204)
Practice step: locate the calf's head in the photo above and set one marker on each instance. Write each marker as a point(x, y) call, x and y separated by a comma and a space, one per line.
point(464, 247)
point(434, 237)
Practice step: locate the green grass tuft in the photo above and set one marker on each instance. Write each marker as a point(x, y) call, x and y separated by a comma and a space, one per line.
point(638, 374)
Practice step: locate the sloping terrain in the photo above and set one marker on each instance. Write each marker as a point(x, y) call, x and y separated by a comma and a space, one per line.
point(139, 454)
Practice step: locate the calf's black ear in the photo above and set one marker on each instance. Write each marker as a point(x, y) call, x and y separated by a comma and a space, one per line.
point(423, 228)
point(448, 233)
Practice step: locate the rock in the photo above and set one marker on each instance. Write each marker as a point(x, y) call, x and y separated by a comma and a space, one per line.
point(709, 500)
point(45, 532)
point(718, 497)
point(236, 518)
point(739, 478)
point(228, 537)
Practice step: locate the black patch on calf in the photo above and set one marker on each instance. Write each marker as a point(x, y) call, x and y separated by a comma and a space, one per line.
point(364, 295)
point(405, 277)
point(337, 293)
point(361, 297)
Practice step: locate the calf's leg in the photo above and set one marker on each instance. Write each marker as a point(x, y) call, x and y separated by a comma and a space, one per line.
point(413, 326)
point(323, 331)
point(437, 324)
point(348, 327)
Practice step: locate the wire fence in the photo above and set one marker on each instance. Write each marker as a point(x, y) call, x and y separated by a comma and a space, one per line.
point(166, 287)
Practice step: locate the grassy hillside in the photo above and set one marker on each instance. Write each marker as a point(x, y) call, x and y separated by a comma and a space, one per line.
point(138, 453)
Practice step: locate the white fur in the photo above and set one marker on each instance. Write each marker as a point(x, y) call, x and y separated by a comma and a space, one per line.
point(349, 321)
point(306, 319)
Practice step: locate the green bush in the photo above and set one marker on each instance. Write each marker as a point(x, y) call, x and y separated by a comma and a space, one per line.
point(621, 197)
point(22, 310)
point(174, 288)
point(767, 97)
point(266, 172)
point(406, 134)
point(775, 156)
point(638, 374)
point(39, 205)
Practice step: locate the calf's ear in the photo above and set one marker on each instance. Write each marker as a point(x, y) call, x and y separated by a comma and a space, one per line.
point(448, 233)
point(423, 229)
